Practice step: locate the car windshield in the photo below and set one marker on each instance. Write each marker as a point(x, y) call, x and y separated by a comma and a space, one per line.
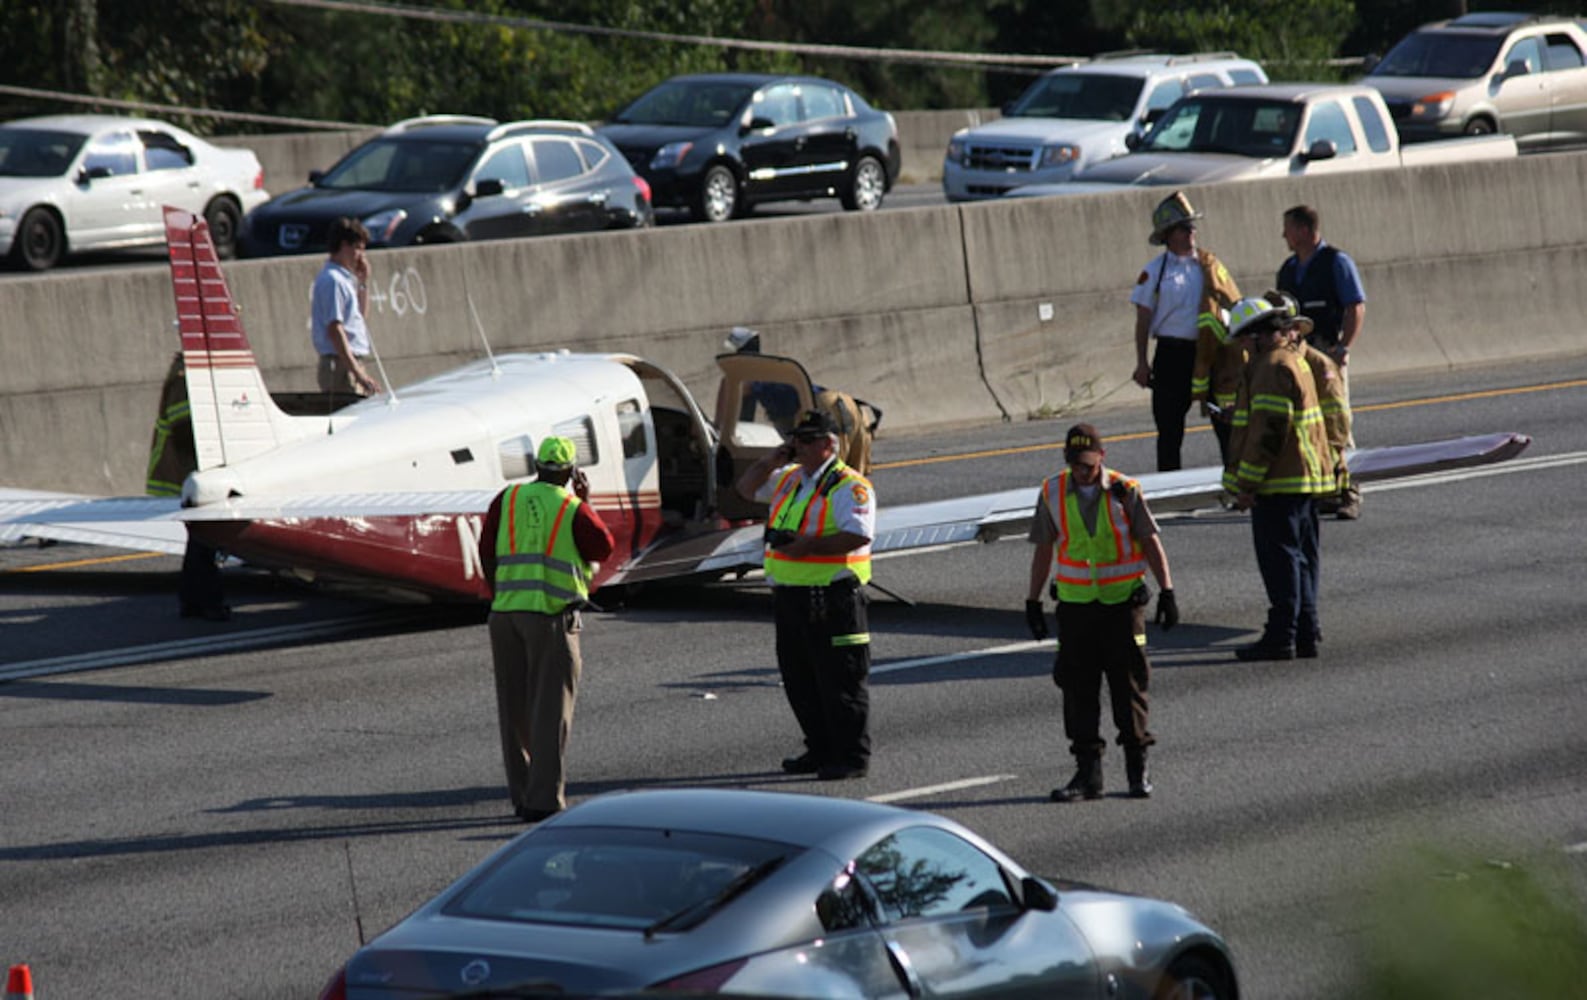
point(1436, 53)
point(1226, 125)
point(1096, 96)
point(28, 152)
point(411, 166)
point(703, 103)
point(614, 877)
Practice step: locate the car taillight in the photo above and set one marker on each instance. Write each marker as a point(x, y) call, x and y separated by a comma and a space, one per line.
point(644, 188)
point(336, 989)
point(258, 180)
point(707, 980)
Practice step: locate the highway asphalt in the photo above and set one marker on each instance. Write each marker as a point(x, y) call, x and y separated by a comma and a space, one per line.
point(231, 812)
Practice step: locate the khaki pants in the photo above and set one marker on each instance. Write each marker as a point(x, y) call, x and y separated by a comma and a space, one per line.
point(537, 666)
point(333, 377)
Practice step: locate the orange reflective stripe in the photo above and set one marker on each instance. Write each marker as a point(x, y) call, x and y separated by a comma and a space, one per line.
point(512, 518)
point(556, 525)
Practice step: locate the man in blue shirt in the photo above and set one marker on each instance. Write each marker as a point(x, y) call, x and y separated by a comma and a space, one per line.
point(1327, 284)
point(339, 301)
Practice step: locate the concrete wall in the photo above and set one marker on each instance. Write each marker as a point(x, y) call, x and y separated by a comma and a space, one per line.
point(938, 315)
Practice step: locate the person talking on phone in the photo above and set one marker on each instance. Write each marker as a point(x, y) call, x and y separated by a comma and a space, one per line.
point(818, 557)
point(539, 548)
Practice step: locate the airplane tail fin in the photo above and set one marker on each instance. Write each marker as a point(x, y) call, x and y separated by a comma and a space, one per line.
point(233, 415)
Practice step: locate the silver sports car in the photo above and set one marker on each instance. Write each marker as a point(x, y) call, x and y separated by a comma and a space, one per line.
point(772, 895)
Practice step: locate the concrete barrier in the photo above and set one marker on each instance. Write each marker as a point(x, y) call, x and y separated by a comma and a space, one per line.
point(938, 315)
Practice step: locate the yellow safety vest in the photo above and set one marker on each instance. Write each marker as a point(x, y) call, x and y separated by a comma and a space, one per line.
point(1102, 565)
point(812, 515)
point(538, 566)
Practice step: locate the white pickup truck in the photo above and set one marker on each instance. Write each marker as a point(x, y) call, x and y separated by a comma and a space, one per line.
point(1272, 130)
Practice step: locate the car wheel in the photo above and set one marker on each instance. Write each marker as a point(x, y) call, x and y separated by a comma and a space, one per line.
point(224, 221)
point(867, 187)
point(1479, 126)
point(40, 244)
point(1192, 977)
point(718, 197)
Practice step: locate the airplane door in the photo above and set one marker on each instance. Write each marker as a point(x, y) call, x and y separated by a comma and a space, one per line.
point(757, 404)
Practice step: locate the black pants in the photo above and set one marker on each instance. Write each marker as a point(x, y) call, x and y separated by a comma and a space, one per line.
point(1172, 366)
point(1284, 530)
point(1098, 640)
point(824, 656)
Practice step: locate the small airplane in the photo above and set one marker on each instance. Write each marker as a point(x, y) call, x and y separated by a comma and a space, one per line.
point(390, 492)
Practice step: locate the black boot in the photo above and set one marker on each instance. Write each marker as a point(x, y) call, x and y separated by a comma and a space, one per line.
point(1135, 769)
point(1086, 784)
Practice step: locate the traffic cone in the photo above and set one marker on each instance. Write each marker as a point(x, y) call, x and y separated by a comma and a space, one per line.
point(19, 983)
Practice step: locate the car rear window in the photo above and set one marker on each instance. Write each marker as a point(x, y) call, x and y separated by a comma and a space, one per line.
point(612, 877)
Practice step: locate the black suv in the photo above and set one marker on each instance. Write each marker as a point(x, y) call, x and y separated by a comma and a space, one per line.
point(446, 178)
point(717, 144)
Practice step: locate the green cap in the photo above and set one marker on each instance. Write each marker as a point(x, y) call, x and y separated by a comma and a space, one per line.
point(555, 453)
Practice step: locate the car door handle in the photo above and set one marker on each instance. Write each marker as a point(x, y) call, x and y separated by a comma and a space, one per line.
point(799, 143)
point(849, 134)
point(904, 968)
point(530, 210)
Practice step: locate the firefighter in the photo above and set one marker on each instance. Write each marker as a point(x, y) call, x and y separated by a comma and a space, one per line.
point(1093, 527)
point(1331, 395)
point(1280, 462)
point(818, 557)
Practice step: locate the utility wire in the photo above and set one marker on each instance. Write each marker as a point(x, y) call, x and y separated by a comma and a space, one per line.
point(241, 116)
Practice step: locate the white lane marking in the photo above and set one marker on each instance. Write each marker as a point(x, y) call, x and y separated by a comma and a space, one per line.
point(971, 654)
point(1580, 848)
point(951, 786)
point(203, 645)
point(1481, 472)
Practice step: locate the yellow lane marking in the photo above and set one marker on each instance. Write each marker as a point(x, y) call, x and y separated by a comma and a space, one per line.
point(75, 563)
point(1147, 435)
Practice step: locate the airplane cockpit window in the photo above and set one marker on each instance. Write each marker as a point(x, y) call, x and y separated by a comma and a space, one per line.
point(766, 413)
point(631, 425)
point(581, 432)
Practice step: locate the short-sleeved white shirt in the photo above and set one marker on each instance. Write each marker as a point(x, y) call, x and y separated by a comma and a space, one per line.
point(853, 504)
point(1170, 286)
point(335, 299)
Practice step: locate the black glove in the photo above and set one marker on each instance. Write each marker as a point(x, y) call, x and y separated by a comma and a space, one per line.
point(1036, 620)
point(1167, 610)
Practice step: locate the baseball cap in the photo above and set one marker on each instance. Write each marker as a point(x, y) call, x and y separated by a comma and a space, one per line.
point(1081, 439)
point(555, 453)
point(814, 423)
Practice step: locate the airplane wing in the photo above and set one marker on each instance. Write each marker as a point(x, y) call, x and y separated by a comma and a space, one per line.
point(990, 516)
point(147, 524)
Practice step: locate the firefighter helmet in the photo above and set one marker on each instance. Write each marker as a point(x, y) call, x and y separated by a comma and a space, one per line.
point(1253, 316)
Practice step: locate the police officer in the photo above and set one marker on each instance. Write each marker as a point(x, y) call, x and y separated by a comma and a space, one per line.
point(1280, 462)
point(1093, 528)
point(1327, 284)
point(818, 557)
point(540, 546)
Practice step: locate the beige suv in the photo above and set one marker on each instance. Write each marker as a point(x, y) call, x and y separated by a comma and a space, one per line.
point(1494, 71)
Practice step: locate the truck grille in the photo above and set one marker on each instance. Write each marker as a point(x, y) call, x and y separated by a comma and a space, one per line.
point(1009, 158)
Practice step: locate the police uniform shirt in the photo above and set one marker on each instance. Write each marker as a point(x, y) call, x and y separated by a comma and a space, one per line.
point(1170, 286)
point(853, 503)
point(335, 299)
point(1044, 532)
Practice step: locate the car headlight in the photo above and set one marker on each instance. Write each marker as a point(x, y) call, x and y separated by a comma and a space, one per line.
point(956, 150)
point(670, 155)
point(382, 225)
point(1060, 155)
point(1433, 105)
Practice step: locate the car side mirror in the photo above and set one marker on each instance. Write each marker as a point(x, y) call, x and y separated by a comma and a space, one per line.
point(758, 122)
point(94, 174)
point(315, 176)
point(1369, 62)
point(1322, 149)
point(1516, 67)
point(1037, 895)
point(488, 186)
point(1133, 140)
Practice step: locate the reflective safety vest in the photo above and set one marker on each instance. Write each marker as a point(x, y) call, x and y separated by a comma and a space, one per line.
point(1102, 565)
point(538, 566)
point(811, 514)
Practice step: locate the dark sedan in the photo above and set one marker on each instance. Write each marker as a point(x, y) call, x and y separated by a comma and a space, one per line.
point(447, 178)
point(737, 892)
point(721, 143)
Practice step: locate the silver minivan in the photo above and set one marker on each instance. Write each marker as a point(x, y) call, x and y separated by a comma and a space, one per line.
point(1494, 71)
